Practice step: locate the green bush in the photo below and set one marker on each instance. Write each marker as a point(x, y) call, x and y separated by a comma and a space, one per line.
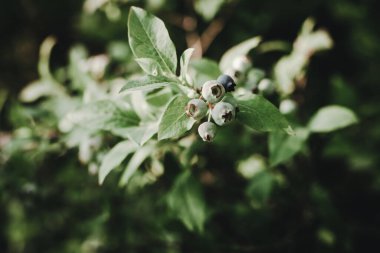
point(102, 152)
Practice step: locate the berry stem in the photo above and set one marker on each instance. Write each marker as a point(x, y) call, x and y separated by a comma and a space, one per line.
point(209, 115)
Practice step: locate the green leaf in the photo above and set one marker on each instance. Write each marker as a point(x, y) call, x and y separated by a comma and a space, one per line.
point(184, 62)
point(282, 146)
point(260, 187)
point(174, 121)
point(331, 118)
point(80, 79)
point(241, 49)
point(45, 53)
point(103, 115)
point(139, 134)
point(150, 66)
point(159, 98)
point(203, 70)
point(114, 157)
point(259, 114)
point(147, 83)
point(186, 201)
point(148, 38)
point(208, 9)
point(137, 159)
point(40, 88)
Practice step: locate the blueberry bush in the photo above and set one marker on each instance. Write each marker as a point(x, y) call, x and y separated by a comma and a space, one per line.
point(165, 143)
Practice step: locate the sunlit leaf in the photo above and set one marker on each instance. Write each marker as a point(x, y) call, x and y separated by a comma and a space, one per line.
point(114, 158)
point(149, 38)
point(150, 66)
point(174, 121)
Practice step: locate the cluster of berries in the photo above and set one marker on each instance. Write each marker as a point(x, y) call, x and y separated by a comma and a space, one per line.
point(210, 103)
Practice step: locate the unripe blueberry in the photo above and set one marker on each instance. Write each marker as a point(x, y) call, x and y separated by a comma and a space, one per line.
point(207, 131)
point(266, 86)
point(287, 106)
point(196, 108)
point(227, 82)
point(213, 91)
point(223, 113)
point(241, 64)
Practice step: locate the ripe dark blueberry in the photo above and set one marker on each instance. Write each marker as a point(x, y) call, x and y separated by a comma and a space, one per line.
point(227, 82)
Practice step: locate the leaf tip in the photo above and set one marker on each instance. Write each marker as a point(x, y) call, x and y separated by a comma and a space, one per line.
point(289, 130)
point(100, 180)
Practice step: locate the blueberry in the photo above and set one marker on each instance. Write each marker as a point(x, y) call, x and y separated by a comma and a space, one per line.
point(223, 113)
point(227, 82)
point(207, 131)
point(213, 91)
point(196, 108)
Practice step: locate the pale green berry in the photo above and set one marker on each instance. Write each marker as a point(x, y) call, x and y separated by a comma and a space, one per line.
point(223, 113)
point(207, 131)
point(196, 109)
point(287, 106)
point(213, 91)
point(266, 86)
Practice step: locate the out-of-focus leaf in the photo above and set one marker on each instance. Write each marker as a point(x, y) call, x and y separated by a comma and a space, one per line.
point(259, 114)
point(78, 68)
point(134, 163)
point(282, 146)
point(148, 38)
point(208, 9)
point(174, 121)
point(114, 158)
point(203, 70)
point(139, 134)
point(38, 89)
point(330, 118)
point(260, 188)
point(241, 49)
point(286, 71)
point(45, 52)
point(103, 115)
point(146, 83)
point(187, 203)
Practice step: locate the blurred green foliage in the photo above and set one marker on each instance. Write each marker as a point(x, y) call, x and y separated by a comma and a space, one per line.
point(324, 200)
